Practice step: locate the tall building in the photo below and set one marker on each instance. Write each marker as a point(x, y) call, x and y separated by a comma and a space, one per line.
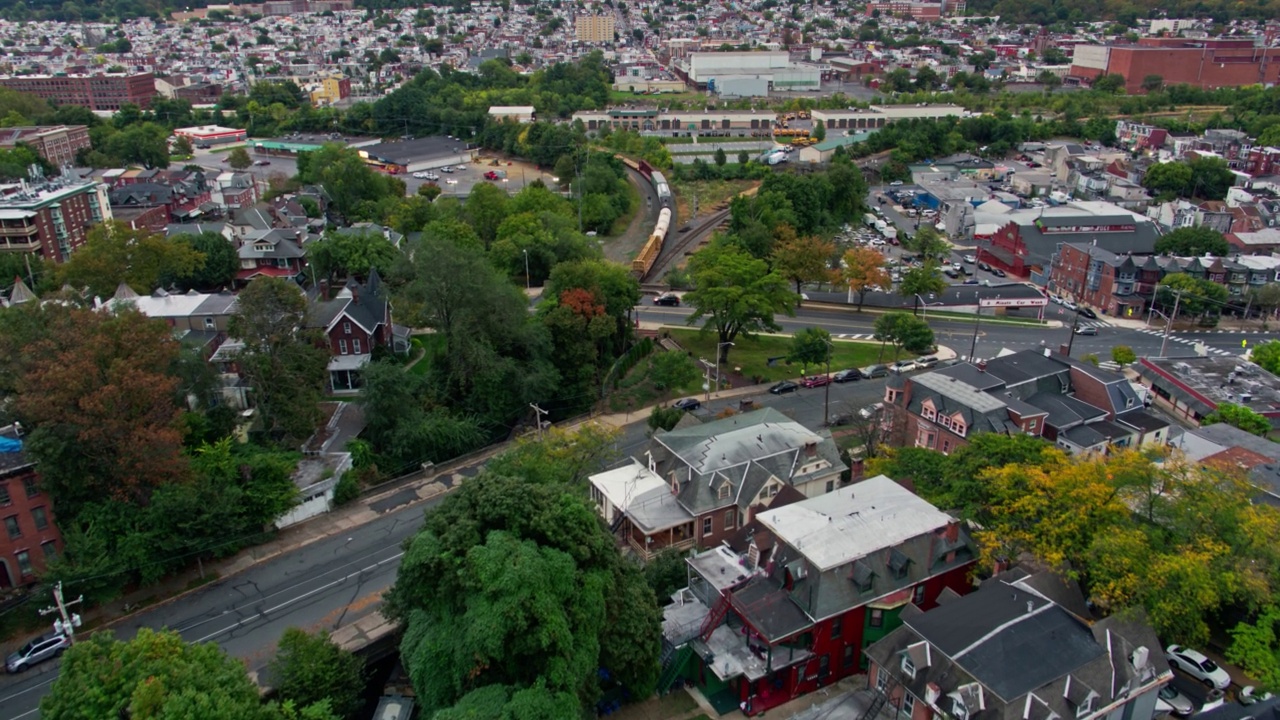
point(50, 219)
point(56, 143)
point(594, 28)
point(97, 92)
point(1205, 64)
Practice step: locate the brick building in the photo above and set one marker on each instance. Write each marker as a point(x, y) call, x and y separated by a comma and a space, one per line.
point(594, 29)
point(1118, 285)
point(56, 143)
point(1027, 240)
point(50, 219)
point(1208, 64)
point(922, 11)
point(29, 539)
point(97, 92)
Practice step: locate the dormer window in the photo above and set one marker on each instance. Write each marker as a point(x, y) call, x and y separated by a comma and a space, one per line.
point(928, 411)
point(262, 247)
point(724, 491)
point(958, 709)
point(862, 577)
point(908, 667)
point(898, 564)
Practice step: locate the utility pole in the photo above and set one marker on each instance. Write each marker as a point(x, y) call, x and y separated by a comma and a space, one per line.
point(1168, 323)
point(1072, 340)
point(68, 623)
point(540, 412)
point(720, 361)
point(977, 318)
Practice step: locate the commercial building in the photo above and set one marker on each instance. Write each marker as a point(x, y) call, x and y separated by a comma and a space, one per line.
point(1027, 239)
point(426, 153)
point(211, 134)
point(743, 122)
point(107, 92)
point(594, 29)
point(518, 113)
point(30, 539)
point(1193, 387)
point(50, 219)
point(921, 11)
point(1021, 646)
point(330, 90)
point(744, 71)
point(56, 143)
point(789, 604)
point(1211, 63)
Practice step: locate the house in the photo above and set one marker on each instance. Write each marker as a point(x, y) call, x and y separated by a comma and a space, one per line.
point(354, 323)
point(31, 539)
point(1010, 651)
point(1229, 448)
point(275, 253)
point(238, 189)
point(834, 574)
point(1078, 407)
point(704, 481)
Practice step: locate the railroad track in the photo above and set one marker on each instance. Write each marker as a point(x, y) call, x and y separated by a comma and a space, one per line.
point(680, 243)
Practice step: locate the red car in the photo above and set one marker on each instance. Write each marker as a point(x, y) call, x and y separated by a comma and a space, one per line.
point(815, 381)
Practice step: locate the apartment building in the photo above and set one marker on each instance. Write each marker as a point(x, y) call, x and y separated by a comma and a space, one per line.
point(106, 92)
point(56, 143)
point(594, 29)
point(30, 539)
point(51, 219)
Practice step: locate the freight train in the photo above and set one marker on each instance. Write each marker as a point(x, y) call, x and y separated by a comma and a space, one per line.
point(649, 253)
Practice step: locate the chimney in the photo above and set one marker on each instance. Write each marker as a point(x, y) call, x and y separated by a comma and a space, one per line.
point(931, 693)
point(982, 366)
point(324, 289)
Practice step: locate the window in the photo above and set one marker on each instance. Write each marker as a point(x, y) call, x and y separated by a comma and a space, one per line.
point(723, 492)
point(837, 627)
point(908, 667)
point(32, 488)
point(24, 562)
point(11, 524)
point(706, 526)
point(928, 412)
point(824, 665)
point(342, 346)
point(4, 494)
point(946, 446)
point(877, 618)
point(50, 549)
point(831, 485)
point(847, 660)
point(908, 703)
point(210, 324)
point(882, 679)
point(917, 594)
point(729, 517)
point(346, 328)
point(42, 520)
point(355, 346)
point(771, 490)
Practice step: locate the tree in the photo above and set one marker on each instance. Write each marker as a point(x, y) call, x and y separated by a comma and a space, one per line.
point(1123, 354)
point(1255, 648)
point(720, 157)
point(239, 158)
point(1113, 83)
point(810, 346)
point(281, 358)
point(114, 253)
point(1168, 179)
point(736, 294)
point(1267, 355)
point(1198, 297)
point(1193, 242)
point(929, 244)
point(904, 332)
point(672, 370)
point(664, 417)
point(1049, 79)
point(486, 208)
point(744, 157)
point(154, 675)
point(1266, 299)
point(803, 259)
point(352, 253)
point(820, 131)
point(1211, 178)
point(921, 281)
point(1152, 83)
point(308, 669)
point(221, 262)
point(864, 270)
point(1239, 416)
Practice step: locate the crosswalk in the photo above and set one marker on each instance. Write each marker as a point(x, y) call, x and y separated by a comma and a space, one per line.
point(855, 336)
point(1094, 323)
point(1185, 341)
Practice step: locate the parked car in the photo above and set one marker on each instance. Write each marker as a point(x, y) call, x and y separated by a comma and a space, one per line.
point(970, 281)
point(998, 272)
point(814, 381)
point(1087, 312)
point(37, 651)
point(839, 420)
point(687, 404)
point(874, 371)
point(895, 183)
point(844, 376)
point(446, 169)
point(668, 299)
point(1172, 701)
point(1055, 299)
point(951, 273)
point(784, 387)
point(871, 411)
point(1249, 695)
point(261, 163)
point(1195, 664)
point(903, 366)
point(1068, 304)
point(1086, 331)
point(970, 259)
point(984, 266)
point(926, 362)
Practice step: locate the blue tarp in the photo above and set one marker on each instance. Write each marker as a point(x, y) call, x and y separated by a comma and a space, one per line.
point(8, 445)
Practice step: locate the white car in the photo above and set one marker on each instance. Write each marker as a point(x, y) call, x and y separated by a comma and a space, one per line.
point(1068, 304)
point(970, 259)
point(1195, 664)
point(878, 242)
point(1172, 701)
point(895, 183)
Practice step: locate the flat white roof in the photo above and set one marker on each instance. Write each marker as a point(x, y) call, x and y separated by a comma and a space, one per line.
point(15, 214)
point(622, 486)
point(511, 110)
point(854, 521)
point(162, 307)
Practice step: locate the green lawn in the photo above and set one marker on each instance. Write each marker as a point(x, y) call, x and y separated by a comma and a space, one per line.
point(752, 356)
point(636, 390)
point(431, 343)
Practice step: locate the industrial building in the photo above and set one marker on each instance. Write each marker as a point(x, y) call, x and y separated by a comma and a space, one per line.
point(211, 134)
point(1193, 387)
point(594, 29)
point(920, 11)
point(51, 219)
point(518, 113)
point(747, 73)
point(1208, 64)
point(426, 153)
point(744, 122)
point(878, 116)
point(106, 92)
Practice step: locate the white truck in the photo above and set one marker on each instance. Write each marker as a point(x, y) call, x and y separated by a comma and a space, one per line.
point(777, 158)
point(881, 225)
point(869, 219)
point(890, 233)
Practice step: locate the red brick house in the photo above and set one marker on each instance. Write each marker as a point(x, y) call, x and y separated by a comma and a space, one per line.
point(704, 481)
point(30, 539)
point(354, 323)
point(832, 574)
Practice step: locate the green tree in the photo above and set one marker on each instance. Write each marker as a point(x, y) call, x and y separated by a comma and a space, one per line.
point(352, 252)
point(736, 294)
point(743, 157)
point(308, 669)
point(154, 675)
point(1255, 649)
point(1193, 241)
point(1267, 355)
point(820, 131)
point(281, 358)
point(1169, 179)
point(1112, 84)
point(664, 417)
point(671, 371)
point(355, 188)
point(803, 259)
point(929, 244)
point(1152, 83)
point(720, 157)
point(239, 158)
point(1239, 416)
point(1211, 178)
point(114, 253)
point(810, 347)
point(904, 332)
point(922, 281)
point(220, 261)
point(665, 573)
point(1266, 299)
point(1123, 354)
point(1198, 297)
point(486, 208)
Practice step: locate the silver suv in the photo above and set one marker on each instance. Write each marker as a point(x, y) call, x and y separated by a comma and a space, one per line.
point(37, 651)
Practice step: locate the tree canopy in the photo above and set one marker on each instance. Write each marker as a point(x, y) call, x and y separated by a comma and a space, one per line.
point(114, 253)
point(736, 293)
point(1193, 241)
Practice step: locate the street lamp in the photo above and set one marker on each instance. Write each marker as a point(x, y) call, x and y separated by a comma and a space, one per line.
point(527, 283)
point(719, 361)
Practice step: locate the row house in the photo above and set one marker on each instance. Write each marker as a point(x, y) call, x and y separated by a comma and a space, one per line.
point(195, 319)
point(1140, 136)
point(1022, 646)
point(30, 539)
point(354, 324)
point(703, 481)
point(820, 580)
point(1262, 161)
point(1080, 408)
point(1120, 285)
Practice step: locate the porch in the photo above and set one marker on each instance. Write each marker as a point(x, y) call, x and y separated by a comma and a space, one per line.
point(344, 373)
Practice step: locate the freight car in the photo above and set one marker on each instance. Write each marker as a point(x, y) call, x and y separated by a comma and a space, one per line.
point(649, 253)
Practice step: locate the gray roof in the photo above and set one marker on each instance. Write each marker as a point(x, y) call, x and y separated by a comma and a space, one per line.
point(1065, 411)
point(365, 305)
point(282, 245)
point(982, 412)
point(1030, 366)
point(1041, 246)
point(963, 392)
point(1232, 436)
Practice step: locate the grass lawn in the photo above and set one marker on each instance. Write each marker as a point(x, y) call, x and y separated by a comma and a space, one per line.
point(752, 356)
point(682, 140)
point(431, 343)
point(621, 224)
point(636, 390)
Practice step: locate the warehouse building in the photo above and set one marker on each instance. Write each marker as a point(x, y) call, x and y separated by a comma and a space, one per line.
point(407, 156)
point(724, 122)
point(878, 116)
point(1208, 64)
point(747, 73)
